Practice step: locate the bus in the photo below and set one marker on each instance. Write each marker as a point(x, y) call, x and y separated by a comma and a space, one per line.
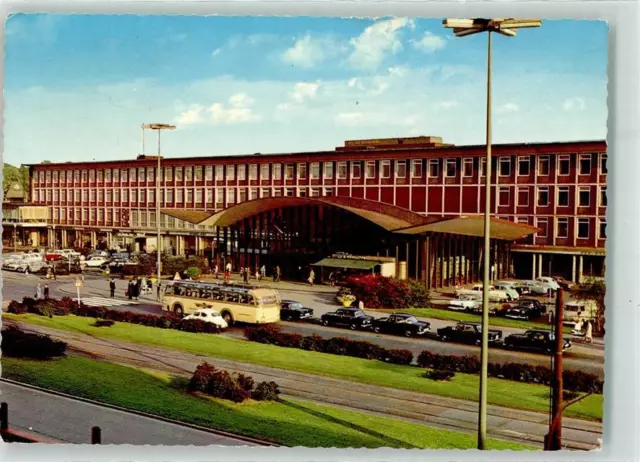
point(236, 303)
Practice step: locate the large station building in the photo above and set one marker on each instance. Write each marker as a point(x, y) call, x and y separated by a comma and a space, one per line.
point(416, 199)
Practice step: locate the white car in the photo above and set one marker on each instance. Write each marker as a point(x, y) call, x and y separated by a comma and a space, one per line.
point(96, 262)
point(464, 305)
point(475, 293)
point(549, 282)
point(209, 315)
point(509, 289)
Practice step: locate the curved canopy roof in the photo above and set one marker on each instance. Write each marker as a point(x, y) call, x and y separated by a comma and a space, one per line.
point(389, 217)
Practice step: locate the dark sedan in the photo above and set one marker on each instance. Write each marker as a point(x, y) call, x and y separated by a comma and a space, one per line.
point(291, 310)
point(519, 312)
point(401, 324)
point(353, 318)
point(467, 332)
point(535, 340)
point(537, 308)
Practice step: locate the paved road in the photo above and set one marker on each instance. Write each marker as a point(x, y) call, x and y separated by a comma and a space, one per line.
point(435, 411)
point(586, 358)
point(70, 420)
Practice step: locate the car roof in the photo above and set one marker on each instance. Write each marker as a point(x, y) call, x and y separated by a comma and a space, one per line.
point(540, 331)
point(469, 323)
point(291, 301)
point(403, 315)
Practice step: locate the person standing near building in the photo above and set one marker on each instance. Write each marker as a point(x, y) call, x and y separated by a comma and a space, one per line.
point(38, 292)
point(53, 272)
point(130, 290)
point(331, 278)
point(263, 272)
point(257, 274)
point(159, 296)
point(276, 274)
point(245, 275)
point(46, 291)
point(112, 287)
point(138, 287)
point(312, 277)
point(216, 271)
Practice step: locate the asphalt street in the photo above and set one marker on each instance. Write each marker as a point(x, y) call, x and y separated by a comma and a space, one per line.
point(581, 357)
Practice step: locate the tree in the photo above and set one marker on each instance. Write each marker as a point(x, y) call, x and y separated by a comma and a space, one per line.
point(13, 174)
point(594, 291)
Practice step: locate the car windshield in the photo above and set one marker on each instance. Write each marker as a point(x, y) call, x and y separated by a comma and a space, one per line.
point(411, 319)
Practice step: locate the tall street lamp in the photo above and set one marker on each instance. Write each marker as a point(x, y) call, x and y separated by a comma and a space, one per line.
point(158, 128)
point(508, 28)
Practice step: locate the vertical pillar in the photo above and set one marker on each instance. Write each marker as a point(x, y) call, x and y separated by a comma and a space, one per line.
point(539, 265)
point(428, 277)
point(573, 269)
point(406, 257)
point(580, 266)
point(94, 239)
point(417, 262)
point(441, 249)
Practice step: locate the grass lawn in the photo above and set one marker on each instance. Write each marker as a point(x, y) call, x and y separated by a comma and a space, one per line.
point(501, 392)
point(449, 315)
point(289, 423)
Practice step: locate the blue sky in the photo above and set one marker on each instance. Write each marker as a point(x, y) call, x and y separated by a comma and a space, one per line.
point(78, 87)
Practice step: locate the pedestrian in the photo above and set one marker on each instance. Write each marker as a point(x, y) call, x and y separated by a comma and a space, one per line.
point(276, 274)
point(130, 290)
point(216, 271)
point(257, 274)
point(227, 272)
point(158, 291)
point(263, 272)
point(112, 287)
point(38, 292)
point(331, 279)
point(46, 291)
point(589, 334)
point(245, 275)
point(312, 277)
point(53, 272)
point(138, 287)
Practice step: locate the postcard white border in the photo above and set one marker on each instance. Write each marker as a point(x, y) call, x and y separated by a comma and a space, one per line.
point(622, 384)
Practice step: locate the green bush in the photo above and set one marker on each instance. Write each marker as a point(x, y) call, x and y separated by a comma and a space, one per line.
point(19, 344)
point(192, 272)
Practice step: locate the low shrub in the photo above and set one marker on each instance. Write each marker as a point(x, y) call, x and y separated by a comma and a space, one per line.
point(103, 323)
point(400, 357)
point(192, 272)
point(246, 382)
point(266, 391)
point(382, 292)
point(16, 307)
point(19, 344)
point(312, 343)
point(201, 377)
point(219, 383)
point(439, 375)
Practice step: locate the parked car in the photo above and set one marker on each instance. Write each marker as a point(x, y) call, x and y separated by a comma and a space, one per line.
point(467, 332)
point(549, 282)
point(208, 315)
point(96, 262)
point(536, 340)
point(294, 311)
point(353, 318)
point(562, 282)
point(54, 255)
point(464, 305)
point(475, 293)
point(537, 308)
point(401, 324)
point(518, 312)
point(579, 311)
point(511, 292)
point(535, 287)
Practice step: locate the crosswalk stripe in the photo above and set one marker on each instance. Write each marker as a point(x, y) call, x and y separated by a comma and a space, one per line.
point(101, 301)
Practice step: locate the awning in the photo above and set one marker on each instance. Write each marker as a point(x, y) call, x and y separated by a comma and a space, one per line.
point(347, 264)
point(474, 226)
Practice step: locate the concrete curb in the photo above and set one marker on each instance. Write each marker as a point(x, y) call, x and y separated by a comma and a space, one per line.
point(247, 439)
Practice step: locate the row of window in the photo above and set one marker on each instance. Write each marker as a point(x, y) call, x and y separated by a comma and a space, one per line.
point(561, 231)
point(385, 168)
point(583, 194)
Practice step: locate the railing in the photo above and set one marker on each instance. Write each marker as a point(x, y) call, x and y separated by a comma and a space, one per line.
point(14, 435)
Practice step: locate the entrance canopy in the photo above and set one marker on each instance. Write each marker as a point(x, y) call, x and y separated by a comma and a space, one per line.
point(344, 263)
point(474, 226)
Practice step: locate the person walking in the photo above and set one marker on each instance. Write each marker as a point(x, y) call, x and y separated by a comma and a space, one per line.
point(38, 292)
point(112, 287)
point(46, 291)
point(312, 277)
point(245, 275)
point(216, 271)
point(276, 274)
point(263, 272)
point(158, 291)
point(257, 274)
point(331, 277)
point(53, 272)
point(227, 272)
point(130, 290)
point(138, 287)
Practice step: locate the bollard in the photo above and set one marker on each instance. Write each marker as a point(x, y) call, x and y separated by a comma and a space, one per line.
point(96, 435)
point(4, 417)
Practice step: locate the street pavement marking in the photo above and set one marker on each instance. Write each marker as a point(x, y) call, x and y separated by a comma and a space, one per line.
point(105, 301)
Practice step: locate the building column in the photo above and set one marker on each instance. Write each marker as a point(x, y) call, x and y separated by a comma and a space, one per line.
point(65, 238)
point(198, 245)
point(539, 265)
point(533, 268)
point(94, 239)
point(580, 265)
point(179, 245)
point(573, 269)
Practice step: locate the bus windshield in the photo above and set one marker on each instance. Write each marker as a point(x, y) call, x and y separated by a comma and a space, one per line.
point(267, 300)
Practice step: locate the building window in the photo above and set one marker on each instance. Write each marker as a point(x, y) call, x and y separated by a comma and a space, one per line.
point(503, 196)
point(524, 165)
point(62, 177)
point(219, 197)
point(178, 173)
point(253, 172)
point(315, 170)
point(467, 168)
point(209, 196)
point(584, 164)
point(242, 172)
point(450, 168)
point(92, 215)
point(116, 217)
point(92, 176)
point(602, 229)
point(315, 192)
point(342, 170)
point(416, 168)
point(109, 217)
point(63, 195)
point(266, 192)
point(264, 172)
point(208, 173)
point(198, 173)
point(563, 196)
point(584, 196)
point(179, 197)
point(76, 176)
point(143, 197)
point(543, 224)
point(523, 196)
point(242, 195)
point(107, 175)
point(92, 195)
point(84, 176)
point(543, 165)
point(603, 196)
point(504, 166)
point(277, 171)
point(483, 166)
point(288, 172)
point(401, 169)
point(152, 196)
point(277, 192)
point(109, 195)
point(603, 164)
point(328, 191)
point(125, 175)
point(231, 196)
point(385, 168)
point(356, 169)
point(199, 195)
point(370, 171)
point(55, 196)
point(55, 177)
point(564, 165)
point(328, 170)
point(563, 227)
point(289, 192)
point(189, 196)
point(543, 196)
point(48, 195)
point(583, 228)
point(434, 166)
point(231, 172)
point(253, 193)
point(100, 176)
point(116, 176)
point(188, 174)
point(302, 192)
point(125, 195)
point(141, 174)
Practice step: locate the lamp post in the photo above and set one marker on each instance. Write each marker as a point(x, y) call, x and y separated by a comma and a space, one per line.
point(158, 128)
point(508, 28)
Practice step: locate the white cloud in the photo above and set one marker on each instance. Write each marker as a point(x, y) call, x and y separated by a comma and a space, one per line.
point(219, 114)
point(370, 47)
point(191, 116)
point(216, 52)
point(241, 100)
point(508, 108)
point(574, 104)
point(308, 51)
point(429, 43)
point(237, 111)
point(352, 82)
point(304, 91)
point(447, 104)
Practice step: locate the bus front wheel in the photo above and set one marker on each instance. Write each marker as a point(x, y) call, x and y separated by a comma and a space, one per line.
point(228, 318)
point(178, 311)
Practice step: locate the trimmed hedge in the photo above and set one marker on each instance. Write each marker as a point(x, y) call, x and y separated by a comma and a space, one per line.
point(383, 292)
point(572, 380)
point(272, 335)
point(237, 388)
point(440, 375)
point(19, 344)
point(66, 306)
